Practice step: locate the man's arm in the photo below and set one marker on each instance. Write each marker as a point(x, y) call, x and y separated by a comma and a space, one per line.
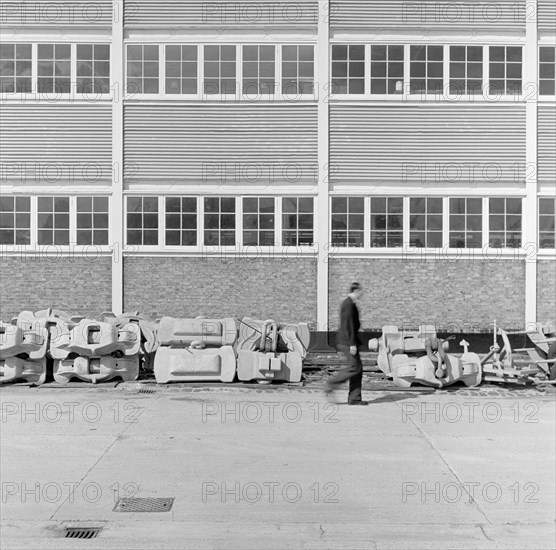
point(348, 316)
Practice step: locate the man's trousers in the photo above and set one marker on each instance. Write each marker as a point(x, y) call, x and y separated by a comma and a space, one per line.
point(353, 372)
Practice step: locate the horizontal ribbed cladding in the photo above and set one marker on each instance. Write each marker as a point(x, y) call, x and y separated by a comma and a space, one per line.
point(428, 14)
point(263, 13)
point(221, 144)
point(83, 13)
point(547, 143)
point(471, 144)
point(546, 15)
point(56, 144)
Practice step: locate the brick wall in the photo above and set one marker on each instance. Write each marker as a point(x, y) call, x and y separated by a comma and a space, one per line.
point(546, 291)
point(81, 286)
point(465, 293)
point(282, 289)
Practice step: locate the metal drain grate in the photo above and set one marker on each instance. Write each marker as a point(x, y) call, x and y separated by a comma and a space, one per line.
point(147, 391)
point(144, 505)
point(82, 532)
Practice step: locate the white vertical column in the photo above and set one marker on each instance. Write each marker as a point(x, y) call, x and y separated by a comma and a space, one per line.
point(530, 203)
point(116, 206)
point(322, 203)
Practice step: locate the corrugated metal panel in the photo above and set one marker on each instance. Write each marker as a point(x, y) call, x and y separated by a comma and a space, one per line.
point(59, 13)
point(263, 13)
point(221, 143)
point(546, 16)
point(428, 14)
point(547, 143)
point(56, 143)
point(427, 143)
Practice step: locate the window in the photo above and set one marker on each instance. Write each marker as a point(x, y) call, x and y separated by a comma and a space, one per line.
point(466, 70)
point(259, 67)
point(547, 222)
point(15, 220)
point(505, 223)
point(181, 221)
point(142, 69)
point(15, 68)
point(505, 70)
point(93, 68)
point(54, 68)
point(142, 221)
point(297, 221)
point(386, 222)
point(387, 69)
point(258, 221)
point(298, 70)
point(348, 69)
point(348, 221)
point(466, 223)
point(425, 222)
point(220, 70)
point(92, 221)
point(53, 221)
point(181, 69)
point(220, 221)
point(547, 68)
point(426, 69)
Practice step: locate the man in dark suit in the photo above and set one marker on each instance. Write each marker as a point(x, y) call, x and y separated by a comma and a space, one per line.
point(347, 344)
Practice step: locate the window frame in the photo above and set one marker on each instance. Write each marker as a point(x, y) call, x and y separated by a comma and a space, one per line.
point(546, 97)
point(505, 215)
point(546, 249)
point(35, 95)
point(15, 227)
point(426, 215)
point(242, 213)
point(363, 231)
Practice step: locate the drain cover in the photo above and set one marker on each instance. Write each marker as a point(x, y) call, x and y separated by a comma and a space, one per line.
point(82, 532)
point(147, 391)
point(144, 505)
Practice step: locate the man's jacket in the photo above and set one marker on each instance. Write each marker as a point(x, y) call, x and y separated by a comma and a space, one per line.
point(349, 324)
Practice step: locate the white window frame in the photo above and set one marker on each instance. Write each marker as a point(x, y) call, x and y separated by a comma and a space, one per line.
point(545, 97)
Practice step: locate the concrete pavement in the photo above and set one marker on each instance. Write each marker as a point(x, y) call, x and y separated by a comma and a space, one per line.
point(278, 468)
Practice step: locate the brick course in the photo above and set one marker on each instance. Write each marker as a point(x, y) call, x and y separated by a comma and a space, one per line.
point(464, 295)
point(546, 291)
point(79, 286)
point(282, 289)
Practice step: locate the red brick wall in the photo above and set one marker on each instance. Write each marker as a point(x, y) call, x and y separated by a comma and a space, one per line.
point(283, 289)
point(546, 291)
point(81, 286)
point(462, 293)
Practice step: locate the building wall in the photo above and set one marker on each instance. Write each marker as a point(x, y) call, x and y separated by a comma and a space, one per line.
point(80, 286)
point(546, 291)
point(431, 15)
point(466, 295)
point(56, 144)
point(282, 289)
point(218, 144)
point(475, 144)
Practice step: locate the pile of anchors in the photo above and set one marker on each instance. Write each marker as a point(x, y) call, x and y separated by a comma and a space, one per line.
point(181, 350)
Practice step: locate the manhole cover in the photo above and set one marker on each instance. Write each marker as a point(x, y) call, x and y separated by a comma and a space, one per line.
point(144, 505)
point(82, 532)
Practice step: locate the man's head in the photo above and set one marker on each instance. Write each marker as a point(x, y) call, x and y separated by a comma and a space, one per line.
point(355, 291)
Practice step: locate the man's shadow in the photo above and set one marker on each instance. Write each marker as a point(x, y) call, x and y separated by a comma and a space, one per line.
point(389, 398)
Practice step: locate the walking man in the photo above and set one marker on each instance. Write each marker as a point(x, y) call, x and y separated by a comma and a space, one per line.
point(347, 343)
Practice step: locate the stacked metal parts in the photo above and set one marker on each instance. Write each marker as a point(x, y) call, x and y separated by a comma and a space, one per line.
point(268, 351)
point(23, 347)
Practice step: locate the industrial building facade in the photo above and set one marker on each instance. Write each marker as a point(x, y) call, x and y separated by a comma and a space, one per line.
point(254, 158)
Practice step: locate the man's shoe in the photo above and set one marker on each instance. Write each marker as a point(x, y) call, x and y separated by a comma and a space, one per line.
point(329, 394)
point(358, 402)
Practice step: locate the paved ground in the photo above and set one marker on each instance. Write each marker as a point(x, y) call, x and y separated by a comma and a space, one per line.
point(277, 468)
